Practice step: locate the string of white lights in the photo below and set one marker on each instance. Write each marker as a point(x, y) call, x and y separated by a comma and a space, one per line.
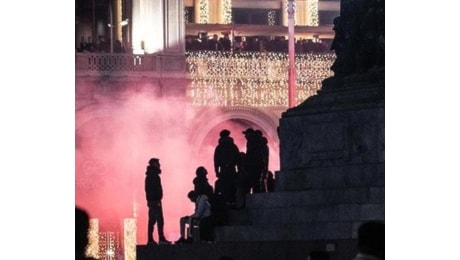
point(204, 11)
point(227, 11)
point(313, 18)
point(253, 78)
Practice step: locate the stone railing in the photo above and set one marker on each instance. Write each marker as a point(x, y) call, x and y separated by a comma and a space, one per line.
point(129, 64)
point(114, 62)
point(221, 78)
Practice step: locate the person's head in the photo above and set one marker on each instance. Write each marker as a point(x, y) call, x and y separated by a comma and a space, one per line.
point(192, 195)
point(81, 231)
point(154, 162)
point(153, 167)
point(224, 133)
point(371, 238)
point(201, 172)
point(248, 132)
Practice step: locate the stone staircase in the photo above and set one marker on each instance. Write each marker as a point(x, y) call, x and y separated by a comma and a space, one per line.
point(289, 223)
point(304, 215)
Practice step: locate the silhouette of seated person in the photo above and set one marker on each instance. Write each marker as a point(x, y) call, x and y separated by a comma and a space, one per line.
point(81, 233)
point(371, 241)
point(202, 215)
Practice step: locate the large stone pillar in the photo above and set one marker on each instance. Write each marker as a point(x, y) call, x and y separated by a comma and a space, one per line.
point(148, 32)
point(174, 27)
point(158, 26)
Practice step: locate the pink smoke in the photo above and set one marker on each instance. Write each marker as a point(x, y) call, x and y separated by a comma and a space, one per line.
point(112, 152)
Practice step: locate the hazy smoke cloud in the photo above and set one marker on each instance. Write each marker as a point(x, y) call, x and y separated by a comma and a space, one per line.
point(113, 148)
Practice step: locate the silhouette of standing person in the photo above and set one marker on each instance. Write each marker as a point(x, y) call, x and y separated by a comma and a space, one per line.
point(263, 156)
point(225, 160)
point(269, 182)
point(256, 158)
point(81, 234)
point(242, 185)
point(371, 241)
point(154, 195)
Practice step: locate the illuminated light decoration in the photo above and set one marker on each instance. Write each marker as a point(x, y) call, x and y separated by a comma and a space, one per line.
point(92, 250)
point(109, 245)
point(313, 18)
point(255, 79)
point(227, 11)
point(204, 11)
point(271, 17)
point(129, 238)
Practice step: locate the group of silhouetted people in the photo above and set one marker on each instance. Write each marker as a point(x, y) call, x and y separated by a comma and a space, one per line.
point(202, 42)
point(240, 173)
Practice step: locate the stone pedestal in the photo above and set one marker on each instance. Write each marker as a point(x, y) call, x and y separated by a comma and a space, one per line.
point(335, 139)
point(332, 168)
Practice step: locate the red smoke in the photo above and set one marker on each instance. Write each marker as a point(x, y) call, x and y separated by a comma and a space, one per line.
point(113, 148)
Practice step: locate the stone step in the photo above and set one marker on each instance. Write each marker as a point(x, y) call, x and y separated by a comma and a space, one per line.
point(263, 250)
point(307, 214)
point(288, 232)
point(334, 177)
point(317, 196)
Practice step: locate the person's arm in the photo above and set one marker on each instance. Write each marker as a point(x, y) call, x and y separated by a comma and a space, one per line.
point(200, 208)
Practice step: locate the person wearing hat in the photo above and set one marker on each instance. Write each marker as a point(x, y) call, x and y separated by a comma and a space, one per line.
point(225, 160)
point(154, 195)
point(256, 155)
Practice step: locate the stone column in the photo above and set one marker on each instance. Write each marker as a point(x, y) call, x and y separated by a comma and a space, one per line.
point(148, 26)
point(174, 27)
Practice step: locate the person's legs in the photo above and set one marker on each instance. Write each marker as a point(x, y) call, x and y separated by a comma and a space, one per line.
point(160, 225)
point(183, 222)
point(161, 234)
point(151, 224)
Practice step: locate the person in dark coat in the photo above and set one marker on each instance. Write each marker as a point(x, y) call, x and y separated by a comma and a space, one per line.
point(201, 184)
point(81, 234)
point(254, 164)
point(242, 185)
point(154, 195)
point(225, 160)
